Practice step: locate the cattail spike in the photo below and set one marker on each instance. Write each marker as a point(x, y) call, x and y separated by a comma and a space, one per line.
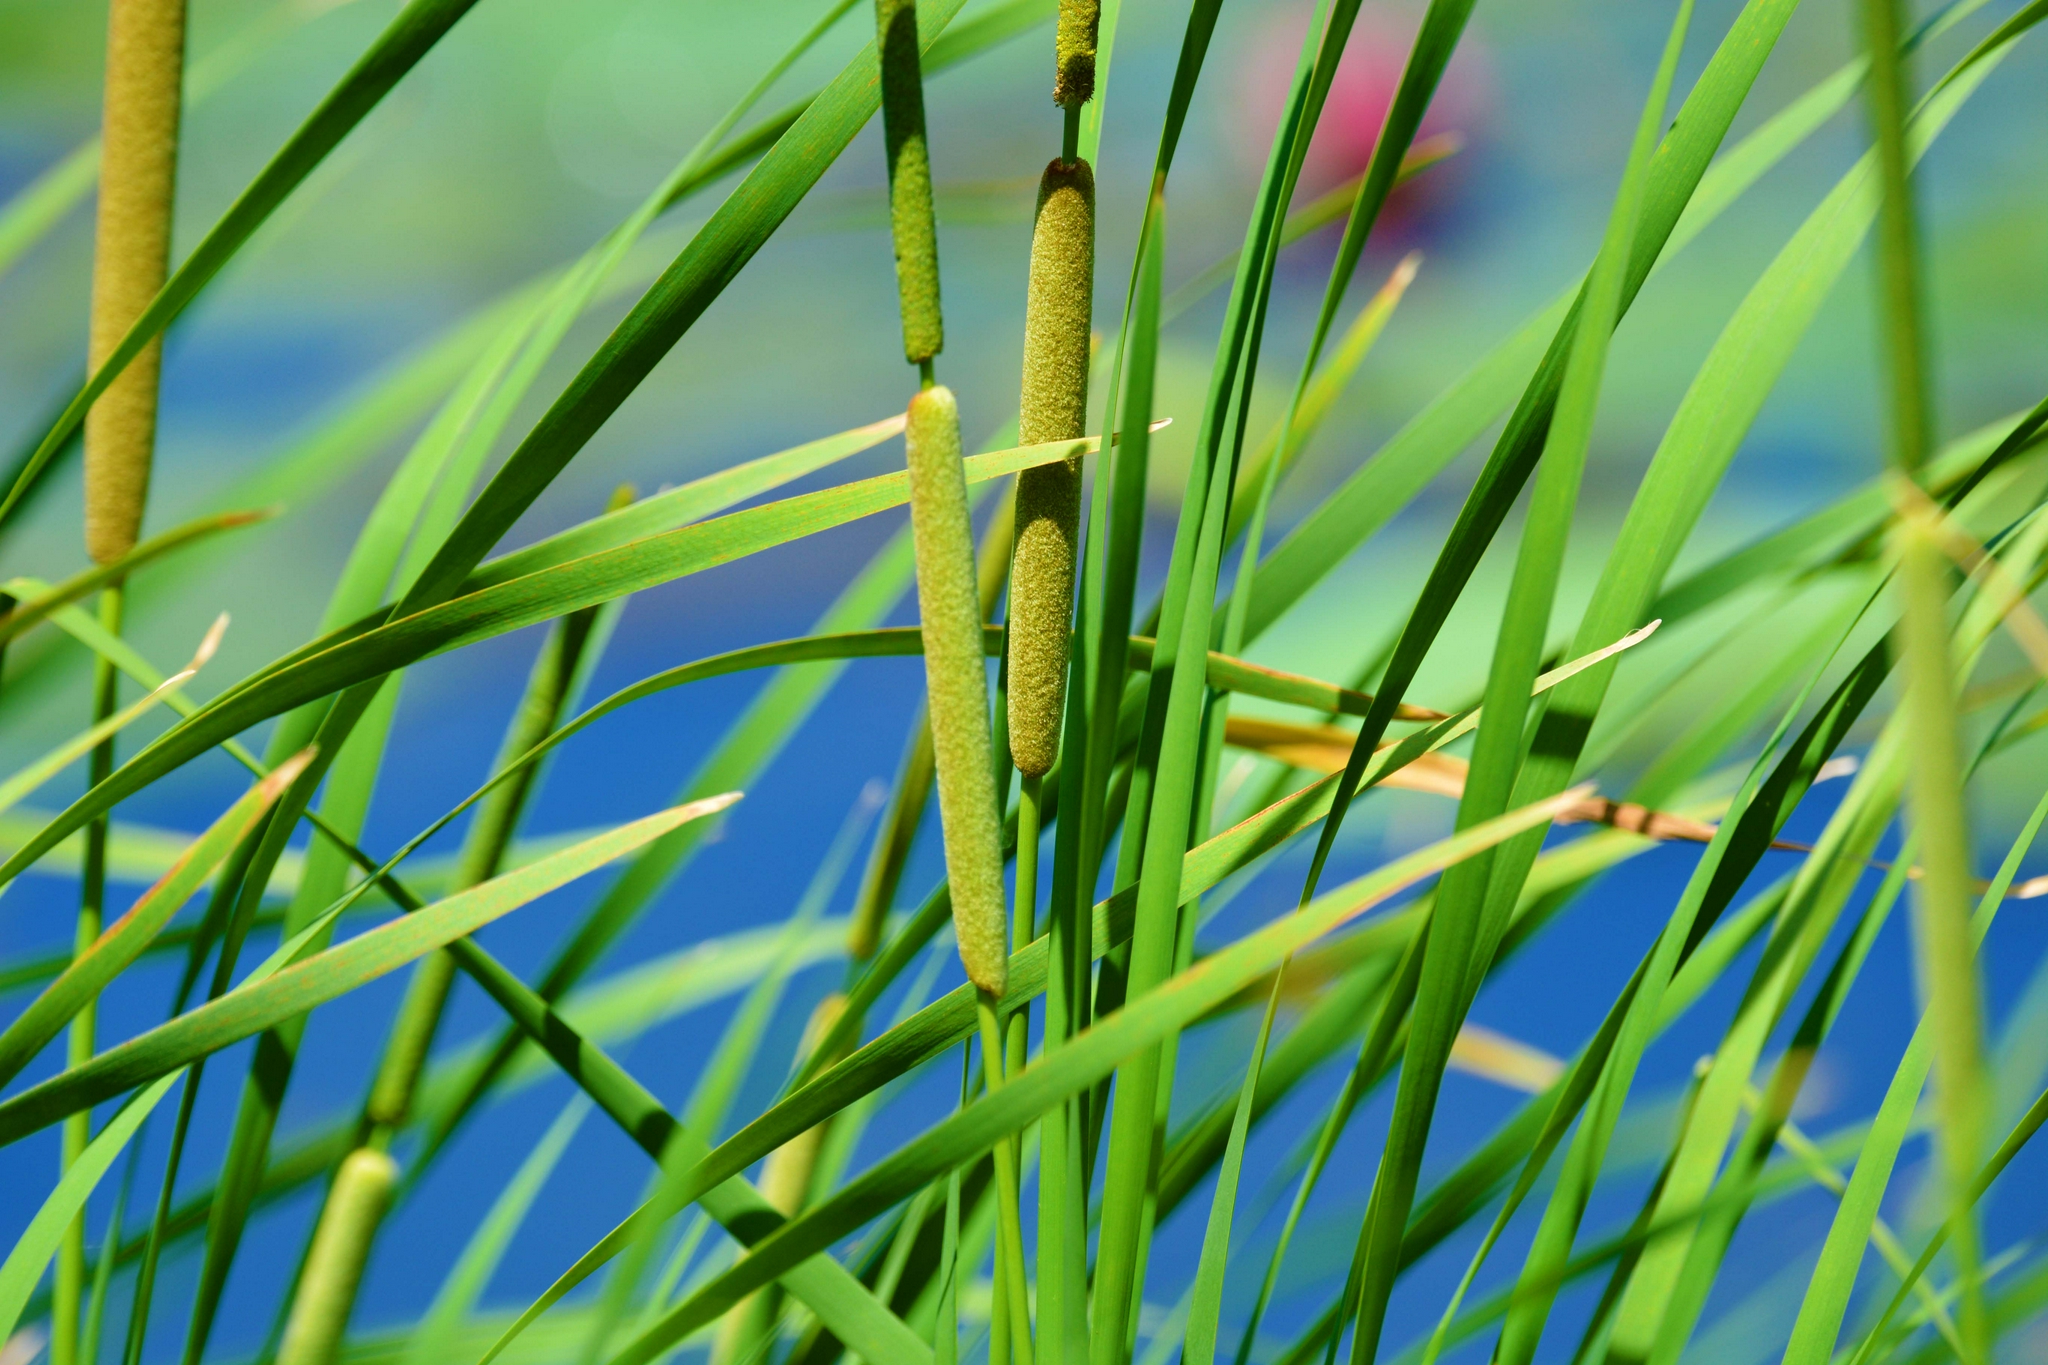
point(1054, 407)
point(334, 1265)
point(131, 255)
point(910, 180)
point(1073, 82)
point(956, 684)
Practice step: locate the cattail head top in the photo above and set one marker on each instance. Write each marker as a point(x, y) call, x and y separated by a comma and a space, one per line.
point(1073, 82)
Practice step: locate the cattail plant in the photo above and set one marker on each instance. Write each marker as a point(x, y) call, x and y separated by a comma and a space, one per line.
point(956, 686)
point(1054, 407)
point(948, 608)
point(1073, 82)
point(1170, 1061)
point(893, 838)
point(131, 255)
point(944, 538)
point(334, 1267)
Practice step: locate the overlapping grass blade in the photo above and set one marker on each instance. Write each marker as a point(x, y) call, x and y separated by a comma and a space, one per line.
point(407, 638)
point(433, 1341)
point(37, 1244)
point(1470, 922)
point(322, 977)
point(126, 938)
point(1085, 1059)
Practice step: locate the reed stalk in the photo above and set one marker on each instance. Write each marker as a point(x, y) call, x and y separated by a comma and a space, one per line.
point(356, 1204)
point(131, 256)
point(970, 819)
point(549, 689)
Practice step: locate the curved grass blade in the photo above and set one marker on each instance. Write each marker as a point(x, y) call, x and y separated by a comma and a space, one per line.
point(1460, 415)
point(371, 654)
point(128, 937)
point(433, 1342)
point(34, 611)
point(711, 1096)
point(1826, 1301)
point(41, 770)
point(322, 977)
point(38, 1242)
point(1469, 924)
point(680, 506)
point(1085, 1058)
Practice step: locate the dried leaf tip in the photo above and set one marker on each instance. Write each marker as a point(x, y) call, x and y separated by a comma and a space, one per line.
point(1052, 407)
point(956, 684)
point(1073, 82)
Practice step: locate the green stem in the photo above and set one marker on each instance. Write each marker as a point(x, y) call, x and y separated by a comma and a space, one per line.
point(548, 690)
point(1009, 1208)
point(69, 1287)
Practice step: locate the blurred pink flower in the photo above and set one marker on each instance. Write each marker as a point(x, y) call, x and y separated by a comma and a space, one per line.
point(1358, 100)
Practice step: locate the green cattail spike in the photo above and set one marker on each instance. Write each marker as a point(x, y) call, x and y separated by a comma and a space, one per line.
point(786, 1178)
point(1073, 82)
point(910, 180)
point(131, 255)
point(334, 1266)
point(956, 685)
point(914, 777)
point(1054, 407)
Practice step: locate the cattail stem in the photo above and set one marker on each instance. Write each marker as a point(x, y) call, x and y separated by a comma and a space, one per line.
point(946, 1323)
point(334, 1267)
point(1054, 407)
point(1010, 1285)
point(1024, 911)
point(131, 256)
point(69, 1283)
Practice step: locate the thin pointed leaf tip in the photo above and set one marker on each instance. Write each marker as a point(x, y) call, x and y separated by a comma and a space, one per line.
point(1073, 82)
point(956, 681)
point(1054, 407)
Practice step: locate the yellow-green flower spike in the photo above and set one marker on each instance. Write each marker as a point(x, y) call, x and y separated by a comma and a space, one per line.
point(1054, 407)
point(956, 685)
point(1073, 83)
point(910, 180)
point(334, 1266)
point(131, 253)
